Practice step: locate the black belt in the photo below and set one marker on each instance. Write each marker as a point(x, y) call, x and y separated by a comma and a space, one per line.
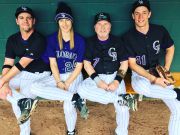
point(107, 73)
point(39, 72)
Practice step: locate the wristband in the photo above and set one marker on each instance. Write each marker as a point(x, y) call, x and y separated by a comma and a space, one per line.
point(154, 81)
point(19, 66)
point(6, 66)
point(118, 78)
point(94, 75)
point(97, 79)
point(121, 73)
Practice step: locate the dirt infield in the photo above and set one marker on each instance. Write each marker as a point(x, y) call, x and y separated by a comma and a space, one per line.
point(48, 119)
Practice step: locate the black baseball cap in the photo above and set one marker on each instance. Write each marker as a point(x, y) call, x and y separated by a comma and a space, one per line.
point(102, 16)
point(139, 3)
point(23, 9)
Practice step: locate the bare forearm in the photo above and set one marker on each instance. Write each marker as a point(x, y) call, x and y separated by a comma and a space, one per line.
point(8, 75)
point(141, 71)
point(5, 71)
point(75, 73)
point(169, 57)
point(55, 72)
point(89, 68)
point(124, 67)
point(7, 62)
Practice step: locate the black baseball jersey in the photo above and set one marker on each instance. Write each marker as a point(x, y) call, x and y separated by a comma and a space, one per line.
point(105, 56)
point(146, 48)
point(32, 48)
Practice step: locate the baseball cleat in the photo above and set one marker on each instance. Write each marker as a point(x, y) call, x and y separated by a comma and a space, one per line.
point(72, 132)
point(27, 106)
point(80, 104)
point(128, 100)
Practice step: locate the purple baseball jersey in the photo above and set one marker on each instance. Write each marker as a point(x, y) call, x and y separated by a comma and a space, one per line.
point(66, 58)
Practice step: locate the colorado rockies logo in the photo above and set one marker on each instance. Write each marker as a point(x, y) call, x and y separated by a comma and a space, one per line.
point(156, 46)
point(140, 1)
point(24, 8)
point(102, 16)
point(112, 53)
point(63, 15)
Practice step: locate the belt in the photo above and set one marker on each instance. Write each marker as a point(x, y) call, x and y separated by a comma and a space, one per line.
point(41, 72)
point(107, 73)
point(37, 72)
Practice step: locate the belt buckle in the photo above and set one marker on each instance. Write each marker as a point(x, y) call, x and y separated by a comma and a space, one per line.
point(37, 73)
point(108, 73)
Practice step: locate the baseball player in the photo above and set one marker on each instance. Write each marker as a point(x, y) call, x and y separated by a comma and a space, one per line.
point(65, 50)
point(144, 43)
point(105, 56)
point(28, 45)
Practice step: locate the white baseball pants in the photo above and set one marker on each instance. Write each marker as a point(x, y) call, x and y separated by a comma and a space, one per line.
point(89, 90)
point(23, 81)
point(46, 88)
point(143, 86)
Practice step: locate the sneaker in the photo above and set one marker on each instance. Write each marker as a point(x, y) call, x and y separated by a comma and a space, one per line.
point(128, 100)
point(80, 104)
point(72, 132)
point(27, 106)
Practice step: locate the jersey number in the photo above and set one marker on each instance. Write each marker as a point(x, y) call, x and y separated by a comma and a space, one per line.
point(141, 60)
point(96, 60)
point(70, 66)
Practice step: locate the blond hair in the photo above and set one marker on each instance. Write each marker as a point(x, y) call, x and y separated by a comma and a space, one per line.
point(61, 41)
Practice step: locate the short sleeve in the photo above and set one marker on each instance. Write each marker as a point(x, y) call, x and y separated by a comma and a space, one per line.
point(50, 48)
point(122, 52)
point(127, 46)
point(167, 40)
point(9, 53)
point(81, 50)
point(88, 51)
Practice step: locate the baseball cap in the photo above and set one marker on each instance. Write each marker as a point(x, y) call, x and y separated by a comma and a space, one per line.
point(63, 12)
point(23, 9)
point(139, 3)
point(102, 16)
